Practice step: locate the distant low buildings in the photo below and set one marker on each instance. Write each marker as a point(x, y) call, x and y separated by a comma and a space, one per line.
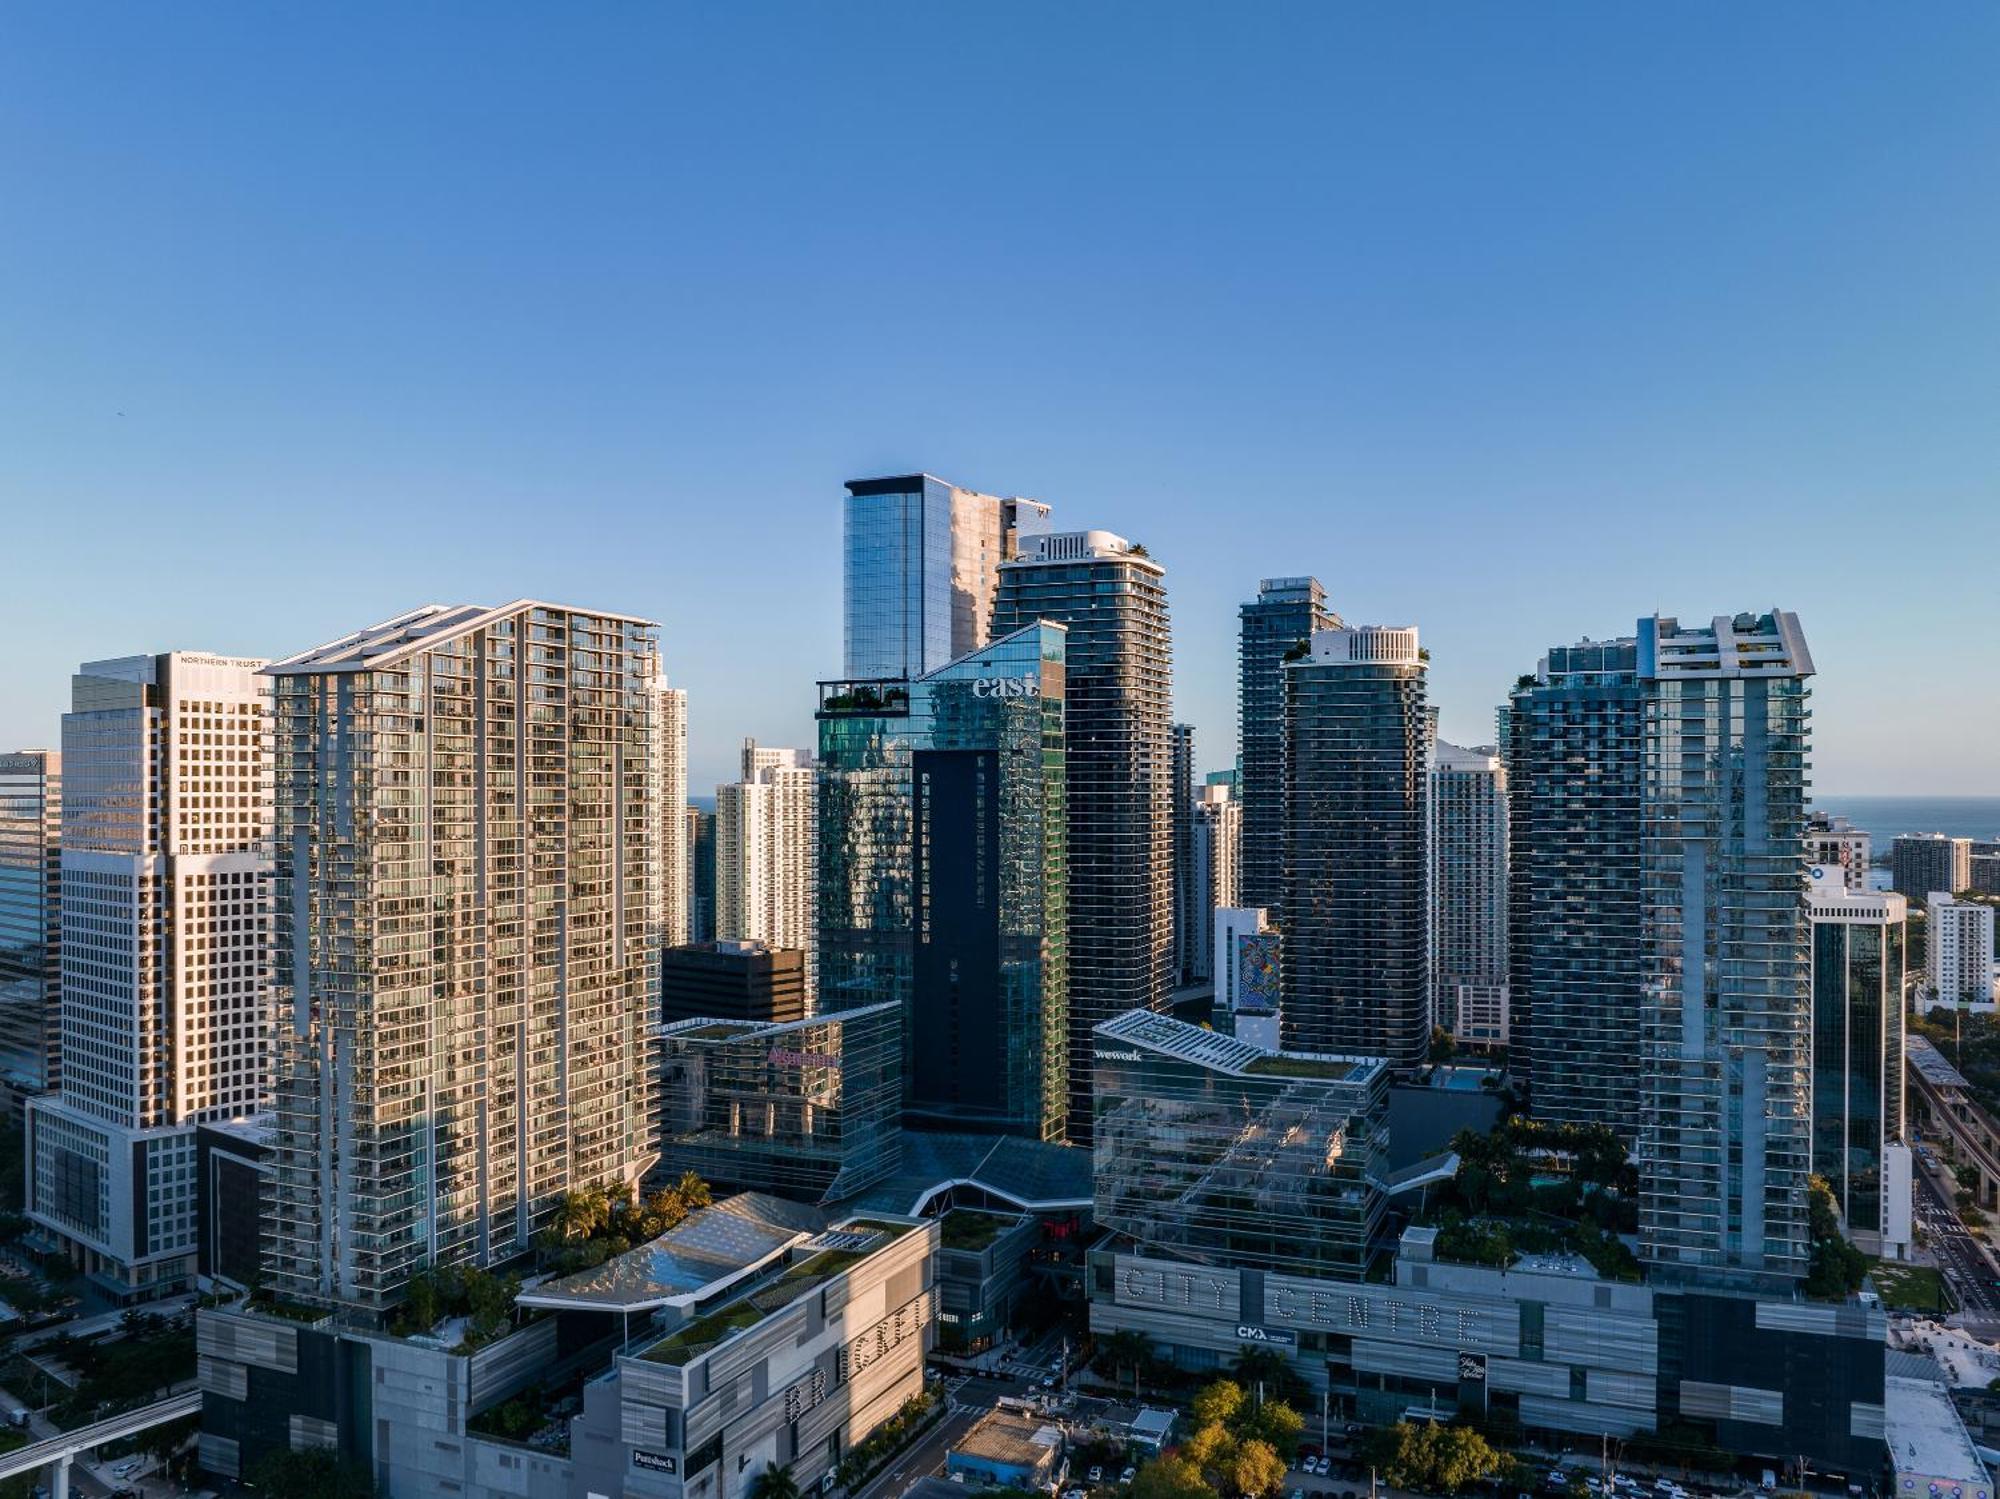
point(1923, 862)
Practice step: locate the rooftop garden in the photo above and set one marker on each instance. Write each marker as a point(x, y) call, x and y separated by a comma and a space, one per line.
point(968, 1228)
point(1278, 1064)
point(706, 1331)
point(1530, 1187)
point(703, 1333)
point(596, 1223)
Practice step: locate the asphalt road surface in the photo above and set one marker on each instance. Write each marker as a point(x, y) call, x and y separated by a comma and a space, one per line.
point(1959, 1256)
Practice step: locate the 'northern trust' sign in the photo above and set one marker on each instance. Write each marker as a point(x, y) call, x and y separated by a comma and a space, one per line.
point(1352, 1309)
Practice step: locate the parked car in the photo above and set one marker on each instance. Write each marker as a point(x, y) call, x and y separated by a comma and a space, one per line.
point(1128, 1475)
point(1096, 1474)
point(1323, 1466)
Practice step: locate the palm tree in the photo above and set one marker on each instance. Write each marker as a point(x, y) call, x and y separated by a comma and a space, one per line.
point(1128, 1349)
point(693, 1191)
point(1257, 1367)
point(774, 1483)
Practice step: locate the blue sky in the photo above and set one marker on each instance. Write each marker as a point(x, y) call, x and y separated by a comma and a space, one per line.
point(1513, 321)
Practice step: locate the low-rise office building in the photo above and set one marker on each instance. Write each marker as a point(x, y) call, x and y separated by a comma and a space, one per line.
point(810, 1110)
point(1547, 1342)
point(732, 981)
point(756, 1332)
point(1213, 1149)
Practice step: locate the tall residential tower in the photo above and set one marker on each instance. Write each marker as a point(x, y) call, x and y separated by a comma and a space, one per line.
point(1356, 907)
point(1468, 894)
point(467, 942)
point(1111, 595)
point(1274, 625)
point(1725, 1142)
point(1571, 740)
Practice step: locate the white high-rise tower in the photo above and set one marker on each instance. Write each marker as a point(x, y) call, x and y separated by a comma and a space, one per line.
point(166, 910)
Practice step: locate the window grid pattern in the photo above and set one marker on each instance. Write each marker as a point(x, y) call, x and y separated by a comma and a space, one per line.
point(466, 855)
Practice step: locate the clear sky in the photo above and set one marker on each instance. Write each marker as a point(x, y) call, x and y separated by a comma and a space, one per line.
point(1514, 321)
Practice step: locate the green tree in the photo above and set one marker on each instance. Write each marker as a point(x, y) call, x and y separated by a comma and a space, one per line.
point(693, 1191)
point(1171, 1477)
point(1253, 1468)
point(1276, 1423)
point(1217, 1404)
point(317, 1474)
point(774, 1483)
point(1435, 1458)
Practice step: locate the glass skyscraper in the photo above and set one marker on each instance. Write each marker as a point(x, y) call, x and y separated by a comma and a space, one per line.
point(1356, 909)
point(1571, 740)
point(806, 1109)
point(1212, 1150)
point(921, 559)
point(942, 843)
point(1285, 612)
point(1857, 1057)
point(1118, 738)
point(467, 939)
point(30, 922)
point(1725, 1035)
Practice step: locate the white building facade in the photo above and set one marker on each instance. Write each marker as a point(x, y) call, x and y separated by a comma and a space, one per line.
point(1958, 952)
point(166, 1018)
point(765, 832)
point(673, 890)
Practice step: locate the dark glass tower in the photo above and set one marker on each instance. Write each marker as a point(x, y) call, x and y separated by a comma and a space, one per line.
point(1857, 983)
point(1571, 738)
point(1356, 970)
point(1113, 598)
point(1185, 912)
point(1285, 613)
point(941, 879)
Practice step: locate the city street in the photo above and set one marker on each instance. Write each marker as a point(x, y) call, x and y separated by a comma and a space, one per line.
point(1964, 1263)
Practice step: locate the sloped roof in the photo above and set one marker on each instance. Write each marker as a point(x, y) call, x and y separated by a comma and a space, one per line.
point(396, 640)
point(689, 1262)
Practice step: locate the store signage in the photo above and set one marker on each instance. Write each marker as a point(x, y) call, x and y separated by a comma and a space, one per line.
point(1006, 687)
point(1272, 1335)
point(1472, 1367)
point(655, 1462)
point(780, 1057)
point(1116, 1056)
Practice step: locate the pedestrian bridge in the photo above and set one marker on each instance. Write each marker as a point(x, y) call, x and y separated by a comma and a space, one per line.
point(63, 1448)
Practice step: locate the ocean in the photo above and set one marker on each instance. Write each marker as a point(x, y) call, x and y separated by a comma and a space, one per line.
point(1884, 817)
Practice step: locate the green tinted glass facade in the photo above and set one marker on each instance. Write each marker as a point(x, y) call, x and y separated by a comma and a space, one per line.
point(941, 878)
